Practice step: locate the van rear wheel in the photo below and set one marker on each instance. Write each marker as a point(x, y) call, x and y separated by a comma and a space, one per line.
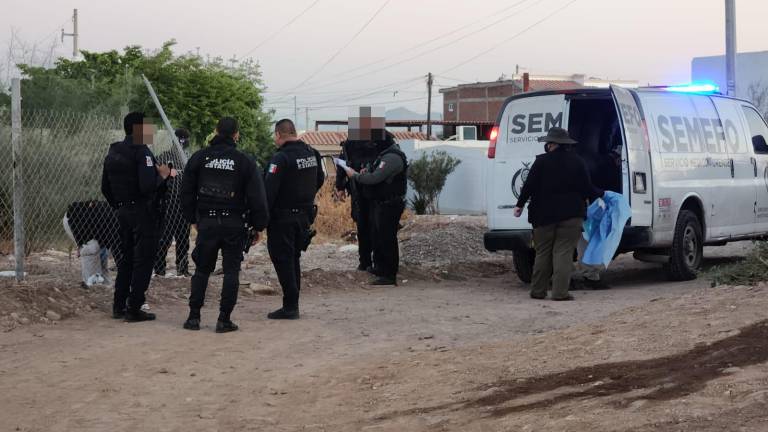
point(687, 250)
point(523, 261)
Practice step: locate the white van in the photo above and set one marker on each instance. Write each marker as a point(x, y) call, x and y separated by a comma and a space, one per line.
point(693, 164)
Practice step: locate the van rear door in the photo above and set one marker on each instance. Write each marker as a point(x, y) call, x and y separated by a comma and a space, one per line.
point(637, 152)
point(523, 120)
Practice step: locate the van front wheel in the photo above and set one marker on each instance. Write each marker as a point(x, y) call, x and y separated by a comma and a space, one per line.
point(687, 248)
point(523, 261)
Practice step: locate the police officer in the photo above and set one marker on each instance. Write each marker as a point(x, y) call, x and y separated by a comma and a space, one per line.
point(223, 195)
point(358, 154)
point(292, 180)
point(388, 182)
point(175, 226)
point(134, 183)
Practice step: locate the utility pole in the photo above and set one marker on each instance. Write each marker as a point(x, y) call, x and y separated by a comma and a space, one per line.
point(18, 179)
point(295, 112)
point(730, 47)
point(75, 34)
point(306, 118)
point(429, 105)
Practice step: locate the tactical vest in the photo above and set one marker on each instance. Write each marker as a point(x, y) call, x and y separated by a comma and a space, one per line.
point(218, 182)
point(395, 186)
point(359, 154)
point(299, 180)
point(120, 166)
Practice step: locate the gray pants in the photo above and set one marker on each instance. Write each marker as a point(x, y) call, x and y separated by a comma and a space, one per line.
point(554, 246)
point(583, 271)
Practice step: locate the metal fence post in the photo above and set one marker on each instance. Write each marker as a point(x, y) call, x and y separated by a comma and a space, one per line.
point(166, 122)
point(18, 183)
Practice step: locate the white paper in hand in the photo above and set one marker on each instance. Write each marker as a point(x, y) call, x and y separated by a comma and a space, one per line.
point(340, 162)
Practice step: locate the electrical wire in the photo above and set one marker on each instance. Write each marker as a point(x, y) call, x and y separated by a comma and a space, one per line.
point(389, 85)
point(281, 29)
point(434, 39)
point(340, 50)
point(432, 50)
point(523, 31)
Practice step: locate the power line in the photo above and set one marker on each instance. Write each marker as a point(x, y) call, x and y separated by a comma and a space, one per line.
point(368, 103)
point(280, 30)
point(432, 50)
point(389, 85)
point(560, 9)
point(371, 93)
point(434, 39)
point(327, 62)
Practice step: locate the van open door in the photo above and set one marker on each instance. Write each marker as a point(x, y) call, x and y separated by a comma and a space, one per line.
point(638, 156)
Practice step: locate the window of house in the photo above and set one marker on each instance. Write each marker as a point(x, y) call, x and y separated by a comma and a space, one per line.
point(450, 107)
point(757, 130)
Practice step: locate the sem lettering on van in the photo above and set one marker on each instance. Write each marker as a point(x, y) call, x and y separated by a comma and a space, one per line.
point(631, 115)
point(536, 122)
point(697, 134)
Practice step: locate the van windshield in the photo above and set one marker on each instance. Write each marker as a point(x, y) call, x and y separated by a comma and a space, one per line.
point(594, 123)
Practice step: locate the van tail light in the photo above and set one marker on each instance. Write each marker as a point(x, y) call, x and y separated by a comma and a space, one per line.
point(492, 146)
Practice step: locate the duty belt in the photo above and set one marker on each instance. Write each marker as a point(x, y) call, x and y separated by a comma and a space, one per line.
point(128, 203)
point(285, 212)
point(213, 213)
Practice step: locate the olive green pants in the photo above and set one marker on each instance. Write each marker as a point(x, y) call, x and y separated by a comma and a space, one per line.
point(554, 257)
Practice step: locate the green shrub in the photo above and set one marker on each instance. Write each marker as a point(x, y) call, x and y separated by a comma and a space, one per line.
point(427, 176)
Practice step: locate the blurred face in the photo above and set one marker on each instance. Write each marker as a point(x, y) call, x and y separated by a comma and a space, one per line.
point(144, 133)
point(367, 124)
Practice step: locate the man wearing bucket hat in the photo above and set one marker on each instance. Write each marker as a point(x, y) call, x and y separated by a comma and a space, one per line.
point(558, 186)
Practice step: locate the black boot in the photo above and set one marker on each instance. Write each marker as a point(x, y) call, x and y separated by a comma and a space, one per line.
point(193, 320)
point(284, 314)
point(383, 280)
point(118, 313)
point(139, 316)
point(372, 270)
point(225, 326)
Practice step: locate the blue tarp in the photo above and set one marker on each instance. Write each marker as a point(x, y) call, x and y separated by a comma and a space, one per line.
point(603, 228)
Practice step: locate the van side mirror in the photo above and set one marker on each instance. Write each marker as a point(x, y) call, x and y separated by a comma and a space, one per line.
point(759, 144)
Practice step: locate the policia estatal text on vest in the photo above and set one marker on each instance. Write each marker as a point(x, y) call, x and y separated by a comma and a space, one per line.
point(293, 177)
point(223, 196)
point(134, 184)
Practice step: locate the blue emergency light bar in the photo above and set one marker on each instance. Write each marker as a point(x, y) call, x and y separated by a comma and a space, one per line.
point(705, 88)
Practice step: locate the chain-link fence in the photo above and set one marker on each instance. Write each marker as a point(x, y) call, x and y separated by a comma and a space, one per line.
point(62, 156)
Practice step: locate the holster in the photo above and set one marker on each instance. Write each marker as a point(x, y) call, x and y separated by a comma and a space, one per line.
point(249, 239)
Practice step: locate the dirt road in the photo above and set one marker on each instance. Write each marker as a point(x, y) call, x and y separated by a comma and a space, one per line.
point(474, 354)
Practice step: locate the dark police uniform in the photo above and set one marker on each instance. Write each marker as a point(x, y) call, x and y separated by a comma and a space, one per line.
point(359, 155)
point(292, 180)
point(131, 184)
point(223, 193)
point(388, 184)
point(175, 226)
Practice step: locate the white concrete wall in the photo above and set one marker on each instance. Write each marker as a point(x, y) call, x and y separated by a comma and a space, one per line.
point(464, 191)
point(750, 68)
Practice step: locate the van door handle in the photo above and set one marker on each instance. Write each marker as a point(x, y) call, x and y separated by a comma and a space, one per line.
point(754, 165)
point(733, 169)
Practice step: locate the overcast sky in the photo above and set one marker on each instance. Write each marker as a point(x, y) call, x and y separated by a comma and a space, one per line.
point(652, 41)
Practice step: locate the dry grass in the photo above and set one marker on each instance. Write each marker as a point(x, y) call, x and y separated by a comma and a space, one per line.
point(334, 220)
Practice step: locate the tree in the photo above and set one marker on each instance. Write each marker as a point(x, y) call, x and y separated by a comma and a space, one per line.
point(427, 176)
point(758, 94)
point(194, 93)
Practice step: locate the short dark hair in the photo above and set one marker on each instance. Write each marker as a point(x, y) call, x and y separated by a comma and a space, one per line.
point(131, 120)
point(285, 127)
point(182, 133)
point(227, 127)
